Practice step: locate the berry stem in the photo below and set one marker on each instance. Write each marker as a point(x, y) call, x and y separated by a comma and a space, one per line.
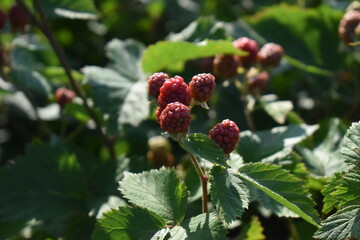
point(203, 180)
point(43, 25)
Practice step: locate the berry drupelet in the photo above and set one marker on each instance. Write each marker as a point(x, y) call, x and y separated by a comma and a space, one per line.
point(226, 135)
point(175, 118)
point(174, 90)
point(202, 87)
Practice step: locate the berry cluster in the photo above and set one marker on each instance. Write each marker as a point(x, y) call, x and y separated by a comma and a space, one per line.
point(268, 56)
point(174, 97)
point(17, 16)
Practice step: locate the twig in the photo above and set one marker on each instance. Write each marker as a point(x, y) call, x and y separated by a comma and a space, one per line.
point(203, 180)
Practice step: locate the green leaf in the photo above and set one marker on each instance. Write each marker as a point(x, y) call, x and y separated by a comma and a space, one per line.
point(229, 193)
point(203, 226)
point(281, 186)
point(257, 146)
point(342, 191)
point(164, 54)
point(46, 182)
point(350, 147)
point(203, 147)
point(252, 231)
point(158, 190)
point(79, 9)
point(128, 223)
point(278, 110)
point(32, 83)
point(121, 91)
point(325, 159)
point(345, 224)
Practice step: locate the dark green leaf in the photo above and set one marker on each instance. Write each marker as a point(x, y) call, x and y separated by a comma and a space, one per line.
point(203, 226)
point(158, 190)
point(203, 147)
point(350, 147)
point(345, 224)
point(79, 9)
point(229, 193)
point(128, 223)
point(256, 146)
point(252, 231)
point(46, 182)
point(164, 54)
point(281, 186)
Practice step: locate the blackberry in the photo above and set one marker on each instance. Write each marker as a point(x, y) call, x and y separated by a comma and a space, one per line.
point(347, 26)
point(18, 16)
point(64, 96)
point(226, 135)
point(158, 112)
point(174, 90)
point(270, 55)
point(2, 19)
point(175, 118)
point(250, 46)
point(202, 86)
point(226, 65)
point(155, 82)
point(257, 82)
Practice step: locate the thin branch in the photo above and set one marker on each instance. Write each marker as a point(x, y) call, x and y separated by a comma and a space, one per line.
point(203, 180)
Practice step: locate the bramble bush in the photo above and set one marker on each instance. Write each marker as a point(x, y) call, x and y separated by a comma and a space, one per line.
point(140, 120)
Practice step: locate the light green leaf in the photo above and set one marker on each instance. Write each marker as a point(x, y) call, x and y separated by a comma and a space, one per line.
point(256, 146)
point(161, 234)
point(281, 186)
point(158, 190)
point(325, 159)
point(278, 110)
point(345, 224)
point(342, 191)
point(229, 193)
point(350, 147)
point(203, 226)
point(252, 231)
point(164, 54)
point(79, 9)
point(121, 92)
point(203, 147)
point(128, 223)
point(42, 194)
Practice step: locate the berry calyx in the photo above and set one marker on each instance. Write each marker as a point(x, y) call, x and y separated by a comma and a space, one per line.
point(226, 135)
point(18, 16)
point(202, 86)
point(347, 26)
point(257, 82)
point(2, 19)
point(175, 118)
point(226, 65)
point(250, 46)
point(64, 96)
point(270, 55)
point(155, 82)
point(174, 90)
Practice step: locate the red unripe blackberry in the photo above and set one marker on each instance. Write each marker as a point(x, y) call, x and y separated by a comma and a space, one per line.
point(155, 82)
point(64, 96)
point(270, 55)
point(347, 26)
point(2, 19)
point(226, 135)
point(175, 118)
point(202, 86)
point(18, 16)
point(257, 82)
point(250, 46)
point(174, 90)
point(157, 113)
point(226, 65)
